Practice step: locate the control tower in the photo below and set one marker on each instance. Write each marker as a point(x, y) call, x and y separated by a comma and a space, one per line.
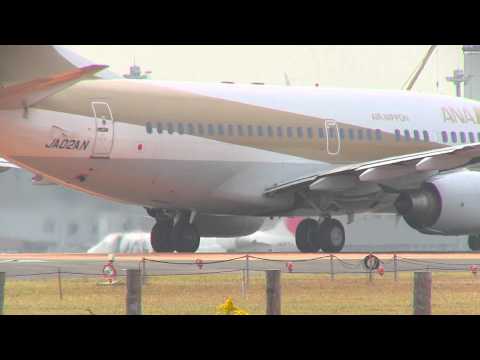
point(472, 71)
point(136, 73)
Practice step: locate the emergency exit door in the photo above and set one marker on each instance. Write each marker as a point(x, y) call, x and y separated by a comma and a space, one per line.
point(333, 137)
point(104, 130)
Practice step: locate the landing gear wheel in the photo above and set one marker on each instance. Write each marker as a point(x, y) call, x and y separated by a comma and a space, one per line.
point(160, 237)
point(185, 238)
point(332, 234)
point(307, 236)
point(474, 242)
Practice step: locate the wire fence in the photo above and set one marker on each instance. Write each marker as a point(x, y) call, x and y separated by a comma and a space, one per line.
point(251, 269)
point(326, 264)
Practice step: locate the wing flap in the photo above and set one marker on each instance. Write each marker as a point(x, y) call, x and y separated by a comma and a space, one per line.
point(443, 159)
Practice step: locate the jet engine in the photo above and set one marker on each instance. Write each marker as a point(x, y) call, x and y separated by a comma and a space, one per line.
point(448, 204)
point(227, 226)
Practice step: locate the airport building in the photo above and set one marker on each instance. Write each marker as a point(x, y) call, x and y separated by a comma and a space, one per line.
point(472, 71)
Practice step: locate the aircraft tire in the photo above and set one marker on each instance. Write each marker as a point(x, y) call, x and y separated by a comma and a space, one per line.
point(474, 242)
point(332, 235)
point(185, 238)
point(307, 236)
point(160, 238)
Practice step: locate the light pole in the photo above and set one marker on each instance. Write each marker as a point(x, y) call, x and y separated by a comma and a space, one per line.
point(458, 79)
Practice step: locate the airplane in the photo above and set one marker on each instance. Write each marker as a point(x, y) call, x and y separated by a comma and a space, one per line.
point(216, 160)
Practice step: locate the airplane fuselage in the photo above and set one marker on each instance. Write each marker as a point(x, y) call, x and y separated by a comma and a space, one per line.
point(215, 148)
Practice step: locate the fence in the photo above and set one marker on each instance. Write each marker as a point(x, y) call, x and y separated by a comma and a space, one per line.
point(332, 265)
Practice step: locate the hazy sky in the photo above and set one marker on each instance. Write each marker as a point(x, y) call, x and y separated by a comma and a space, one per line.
point(382, 67)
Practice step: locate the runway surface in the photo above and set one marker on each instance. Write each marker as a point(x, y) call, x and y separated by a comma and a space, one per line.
point(45, 265)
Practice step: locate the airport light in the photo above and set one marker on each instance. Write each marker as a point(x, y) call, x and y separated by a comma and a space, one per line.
point(458, 79)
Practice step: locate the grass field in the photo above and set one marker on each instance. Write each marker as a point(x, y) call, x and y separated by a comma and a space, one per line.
point(452, 293)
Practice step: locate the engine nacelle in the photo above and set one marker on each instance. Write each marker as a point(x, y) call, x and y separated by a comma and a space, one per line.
point(446, 204)
point(227, 226)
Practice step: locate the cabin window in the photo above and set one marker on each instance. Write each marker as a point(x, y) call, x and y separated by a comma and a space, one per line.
point(360, 134)
point(240, 130)
point(211, 130)
point(260, 130)
point(191, 129)
point(444, 137)
point(230, 130)
point(149, 127)
point(310, 133)
point(279, 131)
point(300, 132)
point(453, 134)
point(407, 135)
point(270, 131)
point(159, 128)
point(369, 134)
point(426, 137)
point(289, 132)
point(416, 135)
point(463, 137)
point(250, 130)
point(378, 135)
point(181, 129)
point(397, 135)
point(351, 134)
point(321, 135)
point(471, 137)
point(200, 129)
point(341, 132)
point(170, 128)
point(221, 130)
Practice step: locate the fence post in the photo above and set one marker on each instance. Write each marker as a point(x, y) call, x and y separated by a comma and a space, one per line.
point(273, 292)
point(332, 274)
point(2, 291)
point(247, 266)
point(134, 292)
point(144, 272)
point(422, 293)
point(243, 283)
point(395, 267)
point(59, 277)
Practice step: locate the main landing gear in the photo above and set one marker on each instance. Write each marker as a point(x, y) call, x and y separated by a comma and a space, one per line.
point(474, 242)
point(174, 234)
point(312, 236)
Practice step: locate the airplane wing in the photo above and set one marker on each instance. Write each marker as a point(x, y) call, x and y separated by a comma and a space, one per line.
point(384, 171)
point(27, 94)
point(5, 165)
point(36, 179)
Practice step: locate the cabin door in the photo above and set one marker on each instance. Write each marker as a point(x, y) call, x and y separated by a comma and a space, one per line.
point(104, 129)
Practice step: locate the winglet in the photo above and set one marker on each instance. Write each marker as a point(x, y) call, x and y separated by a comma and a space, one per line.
point(29, 93)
